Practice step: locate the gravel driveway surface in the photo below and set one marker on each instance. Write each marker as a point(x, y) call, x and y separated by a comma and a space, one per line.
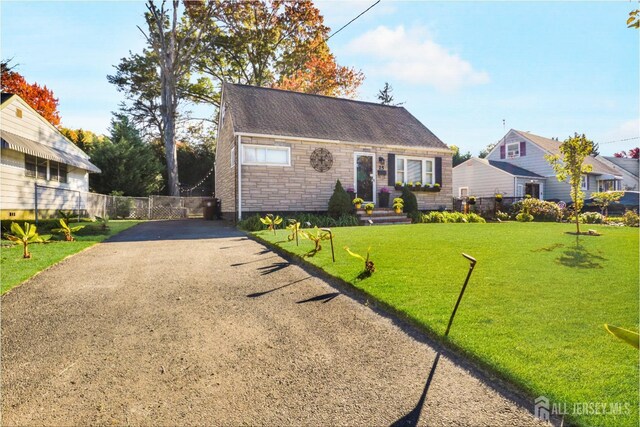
point(190, 322)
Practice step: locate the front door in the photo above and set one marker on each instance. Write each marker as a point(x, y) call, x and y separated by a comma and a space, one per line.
point(532, 189)
point(364, 177)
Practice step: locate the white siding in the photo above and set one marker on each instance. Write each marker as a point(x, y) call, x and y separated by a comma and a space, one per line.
point(32, 126)
point(18, 190)
point(482, 179)
point(533, 160)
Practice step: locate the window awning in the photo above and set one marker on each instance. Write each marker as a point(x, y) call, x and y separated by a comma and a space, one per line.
point(24, 145)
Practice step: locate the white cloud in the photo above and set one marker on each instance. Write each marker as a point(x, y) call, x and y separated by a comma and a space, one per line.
point(413, 57)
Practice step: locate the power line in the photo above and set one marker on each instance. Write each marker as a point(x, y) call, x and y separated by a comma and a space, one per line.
point(350, 22)
point(619, 140)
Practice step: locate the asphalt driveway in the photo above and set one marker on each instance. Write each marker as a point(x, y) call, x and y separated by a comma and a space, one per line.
point(190, 322)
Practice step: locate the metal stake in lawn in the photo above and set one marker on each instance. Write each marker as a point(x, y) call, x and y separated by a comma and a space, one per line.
point(473, 264)
point(328, 230)
point(296, 224)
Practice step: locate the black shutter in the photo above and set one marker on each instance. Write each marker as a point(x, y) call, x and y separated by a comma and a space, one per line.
point(391, 167)
point(523, 148)
point(439, 170)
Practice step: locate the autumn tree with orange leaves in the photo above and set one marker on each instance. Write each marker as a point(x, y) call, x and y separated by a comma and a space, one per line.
point(273, 43)
point(40, 98)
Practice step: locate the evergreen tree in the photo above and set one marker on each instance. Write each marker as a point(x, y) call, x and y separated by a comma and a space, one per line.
point(339, 203)
point(127, 163)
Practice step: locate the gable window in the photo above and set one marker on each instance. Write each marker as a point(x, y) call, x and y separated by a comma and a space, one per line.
point(266, 155)
point(513, 150)
point(414, 169)
point(57, 171)
point(35, 167)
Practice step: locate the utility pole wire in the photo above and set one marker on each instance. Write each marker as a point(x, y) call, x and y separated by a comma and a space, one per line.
point(350, 22)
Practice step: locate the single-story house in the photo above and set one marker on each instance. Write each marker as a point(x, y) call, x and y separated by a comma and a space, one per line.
point(628, 168)
point(33, 152)
point(282, 151)
point(517, 166)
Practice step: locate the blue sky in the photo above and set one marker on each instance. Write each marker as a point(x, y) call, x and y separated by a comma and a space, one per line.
point(552, 68)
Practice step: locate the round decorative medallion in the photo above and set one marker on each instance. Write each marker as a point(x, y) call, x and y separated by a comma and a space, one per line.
point(321, 159)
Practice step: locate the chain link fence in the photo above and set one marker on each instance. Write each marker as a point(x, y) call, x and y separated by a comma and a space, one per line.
point(49, 200)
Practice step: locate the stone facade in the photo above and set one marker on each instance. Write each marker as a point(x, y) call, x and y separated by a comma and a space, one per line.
point(225, 168)
point(299, 187)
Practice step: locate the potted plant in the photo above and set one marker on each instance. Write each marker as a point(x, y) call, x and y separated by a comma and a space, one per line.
point(383, 197)
point(398, 205)
point(409, 185)
point(351, 192)
point(357, 202)
point(417, 186)
point(498, 198)
point(434, 188)
point(471, 200)
point(398, 185)
point(368, 208)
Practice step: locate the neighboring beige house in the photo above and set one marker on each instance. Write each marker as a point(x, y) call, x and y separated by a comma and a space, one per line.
point(517, 166)
point(281, 151)
point(34, 152)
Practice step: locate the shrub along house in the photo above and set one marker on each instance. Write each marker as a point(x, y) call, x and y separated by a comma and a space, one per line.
point(281, 151)
point(517, 166)
point(34, 152)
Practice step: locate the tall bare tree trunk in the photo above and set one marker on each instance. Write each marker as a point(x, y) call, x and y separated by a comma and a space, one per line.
point(175, 53)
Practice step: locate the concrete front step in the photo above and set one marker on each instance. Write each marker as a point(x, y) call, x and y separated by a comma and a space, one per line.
point(379, 212)
point(365, 221)
point(382, 216)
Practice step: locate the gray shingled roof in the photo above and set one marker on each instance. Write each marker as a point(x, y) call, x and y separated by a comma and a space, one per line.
point(513, 169)
point(629, 165)
point(278, 112)
point(553, 147)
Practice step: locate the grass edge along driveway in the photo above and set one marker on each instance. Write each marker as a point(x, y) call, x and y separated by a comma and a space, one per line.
point(14, 270)
point(533, 312)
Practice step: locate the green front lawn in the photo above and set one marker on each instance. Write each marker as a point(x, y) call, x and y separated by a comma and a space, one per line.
point(534, 309)
point(14, 269)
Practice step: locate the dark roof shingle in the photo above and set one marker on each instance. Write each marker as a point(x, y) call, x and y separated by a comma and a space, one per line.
point(283, 113)
point(513, 169)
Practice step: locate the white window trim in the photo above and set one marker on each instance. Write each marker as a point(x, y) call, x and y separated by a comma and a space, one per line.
point(268, 147)
point(584, 182)
point(424, 169)
point(233, 157)
point(460, 191)
point(506, 150)
point(520, 190)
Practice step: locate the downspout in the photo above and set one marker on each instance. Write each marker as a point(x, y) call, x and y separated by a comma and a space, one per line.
point(515, 186)
point(239, 168)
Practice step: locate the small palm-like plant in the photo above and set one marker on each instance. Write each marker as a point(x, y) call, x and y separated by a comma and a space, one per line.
point(294, 228)
point(369, 267)
point(104, 222)
point(317, 237)
point(65, 216)
point(630, 337)
point(271, 222)
point(67, 231)
point(24, 236)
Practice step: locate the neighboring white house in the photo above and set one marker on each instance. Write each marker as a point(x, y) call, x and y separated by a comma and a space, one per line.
point(628, 168)
point(33, 151)
point(517, 166)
